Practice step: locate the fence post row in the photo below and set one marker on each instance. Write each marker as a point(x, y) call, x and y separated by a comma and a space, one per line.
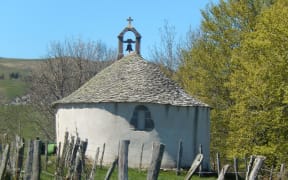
point(73, 156)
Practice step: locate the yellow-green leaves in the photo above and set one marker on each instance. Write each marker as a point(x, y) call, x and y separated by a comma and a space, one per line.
point(238, 65)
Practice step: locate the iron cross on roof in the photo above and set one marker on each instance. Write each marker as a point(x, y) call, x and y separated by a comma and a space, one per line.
point(129, 22)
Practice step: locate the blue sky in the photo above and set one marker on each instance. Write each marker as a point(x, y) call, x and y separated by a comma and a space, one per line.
point(28, 27)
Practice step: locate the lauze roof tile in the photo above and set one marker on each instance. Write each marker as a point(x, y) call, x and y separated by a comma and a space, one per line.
point(131, 79)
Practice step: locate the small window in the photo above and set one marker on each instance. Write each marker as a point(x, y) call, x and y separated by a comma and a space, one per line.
point(141, 119)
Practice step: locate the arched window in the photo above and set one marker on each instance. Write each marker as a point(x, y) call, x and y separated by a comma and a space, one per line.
point(141, 119)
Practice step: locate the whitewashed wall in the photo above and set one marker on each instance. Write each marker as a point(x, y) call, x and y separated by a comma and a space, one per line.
point(109, 123)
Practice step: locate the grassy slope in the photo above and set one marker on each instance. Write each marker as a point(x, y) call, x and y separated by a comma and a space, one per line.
point(17, 119)
point(11, 88)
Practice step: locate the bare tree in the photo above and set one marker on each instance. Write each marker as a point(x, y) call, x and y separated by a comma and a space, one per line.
point(168, 52)
point(68, 65)
point(171, 50)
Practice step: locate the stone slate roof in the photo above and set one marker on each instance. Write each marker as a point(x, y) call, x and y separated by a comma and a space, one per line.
point(131, 79)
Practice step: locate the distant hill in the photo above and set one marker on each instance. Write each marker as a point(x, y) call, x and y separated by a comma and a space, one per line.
point(13, 73)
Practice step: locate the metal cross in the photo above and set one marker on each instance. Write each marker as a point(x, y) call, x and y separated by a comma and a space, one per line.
point(129, 21)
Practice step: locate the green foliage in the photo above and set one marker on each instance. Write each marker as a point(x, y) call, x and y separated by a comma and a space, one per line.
point(259, 88)
point(207, 67)
point(238, 65)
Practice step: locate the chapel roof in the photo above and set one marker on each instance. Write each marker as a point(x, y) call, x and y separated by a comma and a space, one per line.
point(131, 79)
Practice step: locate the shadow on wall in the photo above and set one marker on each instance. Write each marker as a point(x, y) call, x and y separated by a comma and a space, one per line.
point(160, 123)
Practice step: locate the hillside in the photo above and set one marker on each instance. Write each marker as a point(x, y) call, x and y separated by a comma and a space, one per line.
point(13, 77)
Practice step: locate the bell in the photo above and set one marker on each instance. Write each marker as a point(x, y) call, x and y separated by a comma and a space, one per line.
point(129, 47)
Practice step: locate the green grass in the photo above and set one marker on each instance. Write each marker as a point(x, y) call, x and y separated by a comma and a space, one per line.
point(132, 174)
point(13, 88)
point(22, 120)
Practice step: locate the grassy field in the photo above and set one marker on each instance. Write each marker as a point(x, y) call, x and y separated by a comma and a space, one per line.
point(23, 121)
point(11, 88)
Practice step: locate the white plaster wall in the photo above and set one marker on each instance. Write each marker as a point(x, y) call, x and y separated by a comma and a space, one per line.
point(109, 123)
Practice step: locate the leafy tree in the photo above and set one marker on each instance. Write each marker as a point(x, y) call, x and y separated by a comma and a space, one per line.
point(207, 67)
point(68, 65)
point(259, 88)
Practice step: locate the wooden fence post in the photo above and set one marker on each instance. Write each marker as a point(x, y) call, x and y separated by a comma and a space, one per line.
point(179, 157)
point(0, 149)
point(196, 163)
point(246, 163)
point(154, 168)
point(5, 157)
point(94, 167)
point(236, 168)
point(141, 157)
point(102, 156)
point(57, 161)
point(218, 163)
point(12, 159)
point(61, 165)
point(36, 161)
point(225, 168)
point(118, 150)
point(200, 166)
point(257, 166)
point(271, 173)
point(250, 165)
point(83, 148)
point(111, 169)
point(46, 155)
point(69, 152)
point(78, 166)
point(74, 151)
point(19, 146)
point(282, 172)
point(123, 160)
point(73, 157)
point(65, 149)
point(29, 160)
point(85, 145)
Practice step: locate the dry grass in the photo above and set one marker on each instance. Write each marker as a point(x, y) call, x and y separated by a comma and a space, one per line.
point(19, 64)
